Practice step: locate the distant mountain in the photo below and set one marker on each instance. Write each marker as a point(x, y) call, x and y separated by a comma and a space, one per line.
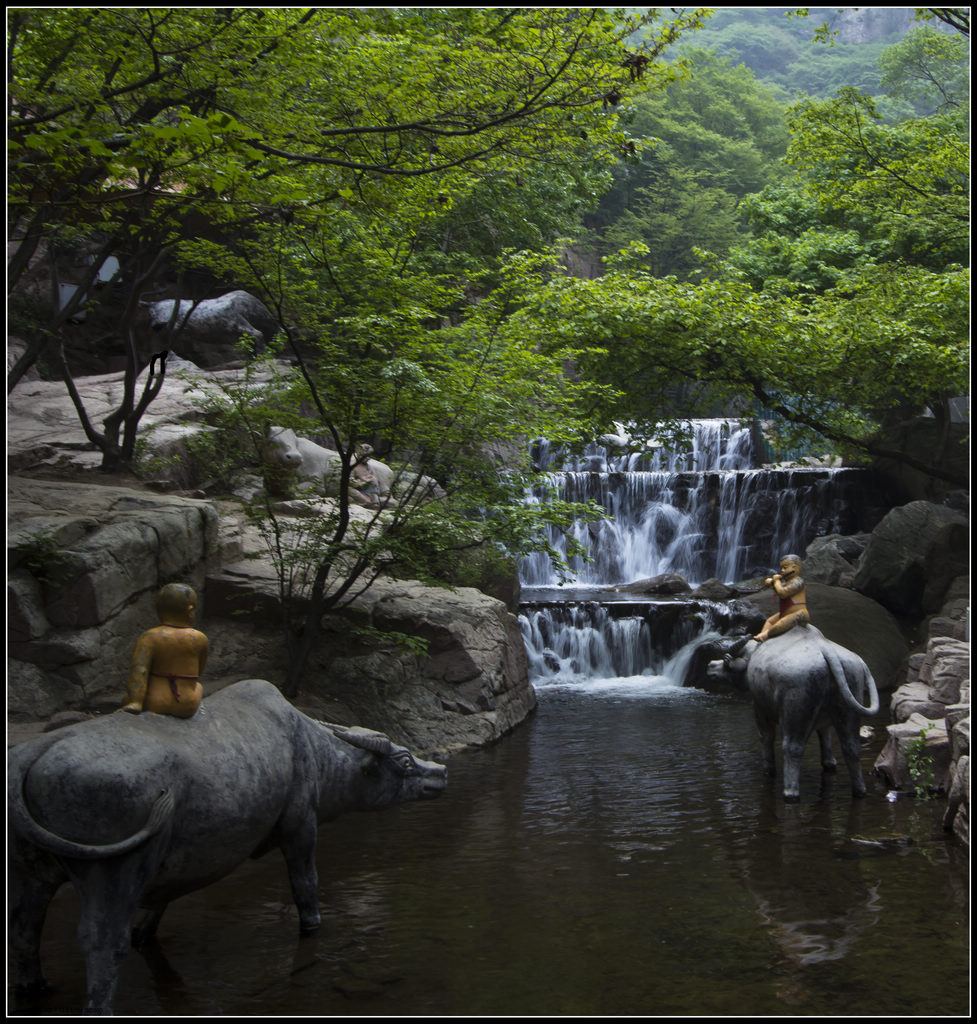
point(781, 50)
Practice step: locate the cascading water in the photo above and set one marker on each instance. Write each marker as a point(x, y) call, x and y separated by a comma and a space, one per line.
point(703, 510)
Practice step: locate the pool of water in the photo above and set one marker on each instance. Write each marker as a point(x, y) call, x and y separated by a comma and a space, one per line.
point(620, 854)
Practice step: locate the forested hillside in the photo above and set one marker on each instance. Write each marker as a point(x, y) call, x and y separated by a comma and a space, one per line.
point(720, 132)
point(810, 252)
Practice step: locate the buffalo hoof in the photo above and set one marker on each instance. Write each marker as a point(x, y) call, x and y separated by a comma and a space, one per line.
point(792, 798)
point(829, 767)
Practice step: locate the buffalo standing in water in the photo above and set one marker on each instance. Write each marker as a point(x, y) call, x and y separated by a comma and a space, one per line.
point(137, 810)
point(804, 682)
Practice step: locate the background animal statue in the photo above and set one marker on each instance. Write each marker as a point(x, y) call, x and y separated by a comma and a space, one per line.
point(804, 682)
point(138, 809)
point(321, 466)
point(372, 483)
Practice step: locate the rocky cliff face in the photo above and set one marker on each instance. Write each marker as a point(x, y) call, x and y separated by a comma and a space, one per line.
point(84, 563)
point(463, 680)
point(870, 24)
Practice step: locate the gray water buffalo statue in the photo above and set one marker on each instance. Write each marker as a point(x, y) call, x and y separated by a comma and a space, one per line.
point(137, 810)
point(804, 682)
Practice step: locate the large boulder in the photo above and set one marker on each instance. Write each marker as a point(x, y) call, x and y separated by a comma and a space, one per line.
point(15, 349)
point(444, 668)
point(832, 559)
point(44, 432)
point(208, 332)
point(912, 558)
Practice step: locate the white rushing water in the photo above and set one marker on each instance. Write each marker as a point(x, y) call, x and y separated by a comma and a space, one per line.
point(703, 510)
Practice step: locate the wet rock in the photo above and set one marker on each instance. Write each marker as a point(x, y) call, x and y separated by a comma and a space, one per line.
point(714, 590)
point(667, 583)
point(956, 819)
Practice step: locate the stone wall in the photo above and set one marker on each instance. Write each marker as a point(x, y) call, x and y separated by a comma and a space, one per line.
point(928, 746)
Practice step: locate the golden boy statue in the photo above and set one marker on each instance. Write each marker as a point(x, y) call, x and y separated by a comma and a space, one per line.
point(789, 587)
point(164, 674)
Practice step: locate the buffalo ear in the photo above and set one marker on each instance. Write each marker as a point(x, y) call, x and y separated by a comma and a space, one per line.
point(370, 765)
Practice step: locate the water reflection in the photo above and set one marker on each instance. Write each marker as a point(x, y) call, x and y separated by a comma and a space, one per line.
point(621, 854)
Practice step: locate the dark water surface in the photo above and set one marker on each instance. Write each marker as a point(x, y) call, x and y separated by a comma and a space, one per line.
point(620, 854)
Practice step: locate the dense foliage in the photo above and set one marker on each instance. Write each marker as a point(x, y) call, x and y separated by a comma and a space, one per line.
point(775, 43)
point(714, 136)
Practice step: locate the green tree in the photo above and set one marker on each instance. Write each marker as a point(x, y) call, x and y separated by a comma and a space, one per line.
point(885, 341)
point(846, 312)
point(912, 178)
point(453, 406)
point(930, 69)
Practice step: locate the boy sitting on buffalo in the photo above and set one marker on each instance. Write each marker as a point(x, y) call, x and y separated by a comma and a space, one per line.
point(168, 660)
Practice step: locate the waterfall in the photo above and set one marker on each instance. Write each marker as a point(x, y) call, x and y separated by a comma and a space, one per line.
point(703, 509)
point(589, 640)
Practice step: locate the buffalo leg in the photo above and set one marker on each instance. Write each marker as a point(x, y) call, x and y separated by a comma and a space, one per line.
point(766, 728)
point(299, 847)
point(30, 889)
point(144, 929)
point(828, 761)
point(793, 753)
point(110, 892)
point(851, 750)
point(103, 934)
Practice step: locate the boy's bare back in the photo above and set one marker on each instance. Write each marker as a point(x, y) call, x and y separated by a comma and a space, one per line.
point(168, 660)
